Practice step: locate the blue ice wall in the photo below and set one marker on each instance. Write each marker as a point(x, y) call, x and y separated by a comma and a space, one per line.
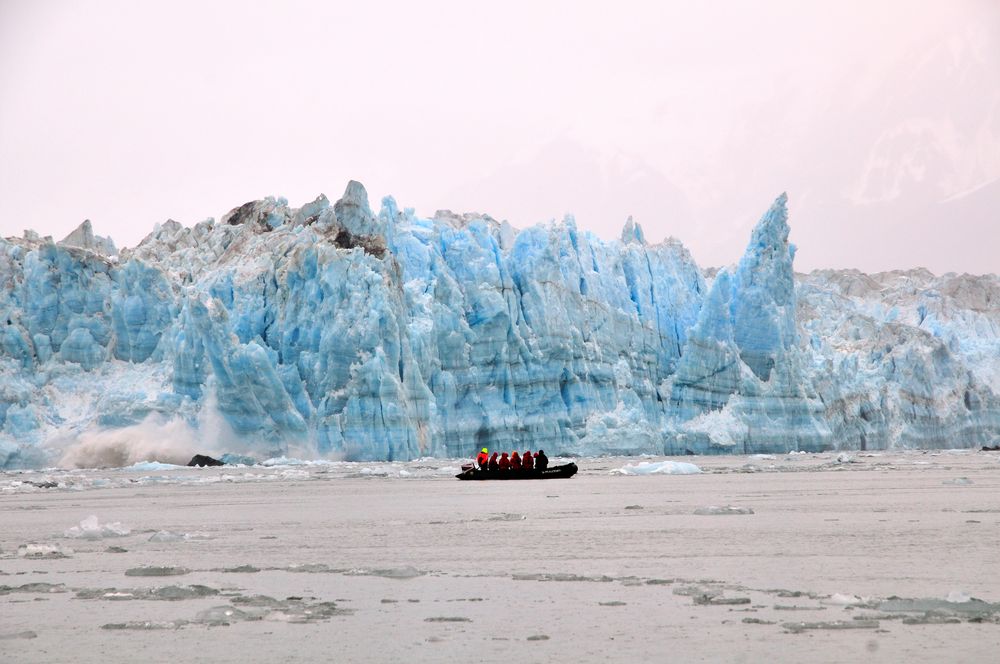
point(392, 336)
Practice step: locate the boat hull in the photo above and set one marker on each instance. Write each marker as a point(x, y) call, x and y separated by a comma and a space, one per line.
point(552, 473)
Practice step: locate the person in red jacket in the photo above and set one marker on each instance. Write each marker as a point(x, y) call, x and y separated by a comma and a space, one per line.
point(515, 461)
point(504, 462)
point(527, 462)
point(494, 464)
point(483, 458)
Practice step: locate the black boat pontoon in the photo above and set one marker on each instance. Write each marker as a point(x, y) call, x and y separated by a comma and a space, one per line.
point(554, 472)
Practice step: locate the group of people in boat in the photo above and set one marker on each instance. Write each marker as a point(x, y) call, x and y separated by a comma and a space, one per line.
point(505, 463)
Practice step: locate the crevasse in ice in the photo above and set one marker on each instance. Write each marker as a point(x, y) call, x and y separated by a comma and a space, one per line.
point(391, 336)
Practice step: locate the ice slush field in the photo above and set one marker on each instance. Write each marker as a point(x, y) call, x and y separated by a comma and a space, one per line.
point(850, 560)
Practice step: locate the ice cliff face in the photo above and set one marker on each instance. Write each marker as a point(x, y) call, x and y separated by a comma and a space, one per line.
point(389, 336)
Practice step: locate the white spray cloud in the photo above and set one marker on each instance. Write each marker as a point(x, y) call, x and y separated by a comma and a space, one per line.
point(153, 439)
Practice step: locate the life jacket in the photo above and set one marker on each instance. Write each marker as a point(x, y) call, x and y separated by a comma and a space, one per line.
point(527, 462)
point(504, 462)
point(515, 461)
point(494, 464)
point(482, 459)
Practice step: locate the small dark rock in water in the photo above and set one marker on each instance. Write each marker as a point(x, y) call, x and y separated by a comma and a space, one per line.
point(115, 549)
point(28, 634)
point(633, 507)
point(613, 603)
point(538, 637)
point(202, 460)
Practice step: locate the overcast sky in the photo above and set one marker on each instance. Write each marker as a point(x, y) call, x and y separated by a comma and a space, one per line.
point(880, 119)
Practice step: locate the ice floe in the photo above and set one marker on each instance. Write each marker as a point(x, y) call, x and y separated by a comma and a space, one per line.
point(91, 529)
point(658, 468)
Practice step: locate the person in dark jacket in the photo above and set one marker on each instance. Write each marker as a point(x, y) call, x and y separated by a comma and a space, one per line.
point(494, 464)
point(541, 461)
point(527, 462)
point(504, 462)
point(515, 461)
point(483, 458)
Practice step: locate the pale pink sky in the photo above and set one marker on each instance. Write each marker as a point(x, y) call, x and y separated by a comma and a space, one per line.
point(880, 119)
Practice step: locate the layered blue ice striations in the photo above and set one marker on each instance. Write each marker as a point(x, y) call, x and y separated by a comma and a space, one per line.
point(391, 336)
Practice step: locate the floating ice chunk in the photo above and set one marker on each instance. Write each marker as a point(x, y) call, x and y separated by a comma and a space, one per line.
point(448, 619)
point(839, 599)
point(171, 593)
point(145, 625)
point(561, 576)
point(44, 551)
point(167, 536)
point(956, 604)
point(311, 568)
point(171, 536)
point(34, 588)
point(844, 457)
point(798, 627)
point(407, 572)
point(91, 529)
point(715, 600)
point(507, 516)
point(221, 615)
point(374, 472)
point(658, 468)
point(713, 510)
point(287, 461)
point(157, 571)
point(153, 465)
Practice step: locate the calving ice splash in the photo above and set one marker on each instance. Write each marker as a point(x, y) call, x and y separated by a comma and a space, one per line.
point(329, 331)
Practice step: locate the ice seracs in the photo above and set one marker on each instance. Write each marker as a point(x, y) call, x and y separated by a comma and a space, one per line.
point(743, 384)
point(337, 332)
point(83, 237)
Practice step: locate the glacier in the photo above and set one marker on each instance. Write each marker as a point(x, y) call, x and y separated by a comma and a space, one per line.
point(333, 331)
